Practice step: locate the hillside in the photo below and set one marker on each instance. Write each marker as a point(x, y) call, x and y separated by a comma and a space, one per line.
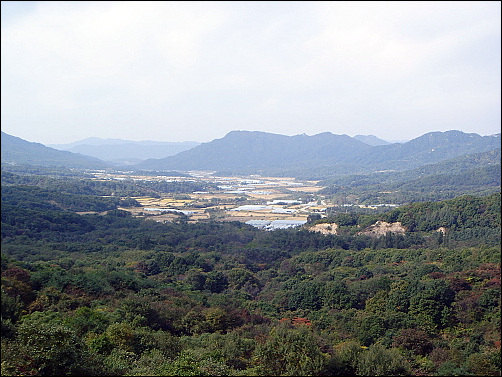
point(461, 218)
point(451, 166)
point(428, 148)
point(18, 151)
point(475, 174)
point(322, 154)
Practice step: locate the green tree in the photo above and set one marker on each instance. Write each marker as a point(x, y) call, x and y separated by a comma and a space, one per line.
point(337, 296)
point(370, 328)
point(216, 282)
point(306, 295)
point(196, 278)
point(345, 359)
point(380, 361)
point(290, 352)
point(50, 349)
point(484, 364)
point(122, 336)
point(11, 312)
point(86, 319)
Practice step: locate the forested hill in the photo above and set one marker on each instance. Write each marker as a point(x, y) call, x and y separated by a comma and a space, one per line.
point(474, 174)
point(113, 295)
point(462, 220)
point(252, 151)
point(17, 151)
point(465, 212)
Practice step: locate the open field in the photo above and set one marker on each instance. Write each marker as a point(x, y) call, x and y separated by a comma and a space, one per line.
point(278, 198)
point(224, 203)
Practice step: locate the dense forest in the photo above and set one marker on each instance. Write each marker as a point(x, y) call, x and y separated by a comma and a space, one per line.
point(110, 294)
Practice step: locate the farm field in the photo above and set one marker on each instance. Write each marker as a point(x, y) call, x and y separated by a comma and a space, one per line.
point(232, 199)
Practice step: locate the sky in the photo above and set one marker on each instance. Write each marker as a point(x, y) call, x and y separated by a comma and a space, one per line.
point(194, 71)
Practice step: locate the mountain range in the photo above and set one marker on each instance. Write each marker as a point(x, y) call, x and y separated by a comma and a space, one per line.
point(318, 156)
point(247, 151)
point(258, 150)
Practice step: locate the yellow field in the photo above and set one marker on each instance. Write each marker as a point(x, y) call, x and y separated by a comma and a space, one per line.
point(163, 202)
point(305, 188)
point(274, 188)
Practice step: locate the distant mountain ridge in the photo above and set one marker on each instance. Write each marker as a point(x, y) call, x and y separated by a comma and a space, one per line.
point(19, 151)
point(88, 141)
point(256, 150)
point(125, 151)
point(427, 149)
point(266, 151)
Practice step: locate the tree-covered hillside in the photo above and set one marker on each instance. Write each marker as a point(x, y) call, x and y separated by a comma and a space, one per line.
point(111, 294)
point(474, 174)
point(18, 151)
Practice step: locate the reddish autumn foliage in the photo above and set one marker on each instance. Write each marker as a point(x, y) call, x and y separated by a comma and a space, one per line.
point(301, 322)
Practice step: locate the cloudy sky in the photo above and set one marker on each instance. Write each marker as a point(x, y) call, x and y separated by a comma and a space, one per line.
point(178, 71)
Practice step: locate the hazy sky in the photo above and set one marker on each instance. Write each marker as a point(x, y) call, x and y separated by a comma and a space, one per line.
point(177, 71)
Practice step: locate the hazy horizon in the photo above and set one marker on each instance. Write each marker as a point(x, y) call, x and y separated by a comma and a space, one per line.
point(195, 141)
point(194, 71)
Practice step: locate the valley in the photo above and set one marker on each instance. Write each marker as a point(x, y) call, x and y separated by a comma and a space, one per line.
point(250, 189)
point(177, 271)
point(272, 202)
